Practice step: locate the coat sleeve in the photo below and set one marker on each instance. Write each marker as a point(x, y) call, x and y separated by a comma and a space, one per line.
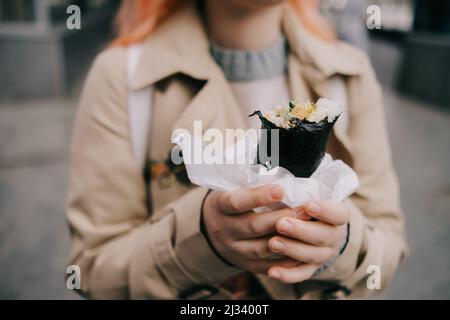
point(122, 253)
point(377, 237)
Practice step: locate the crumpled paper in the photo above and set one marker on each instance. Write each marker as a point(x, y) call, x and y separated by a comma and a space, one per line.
point(333, 179)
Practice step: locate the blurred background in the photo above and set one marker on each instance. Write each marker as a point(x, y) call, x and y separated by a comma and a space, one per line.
point(42, 67)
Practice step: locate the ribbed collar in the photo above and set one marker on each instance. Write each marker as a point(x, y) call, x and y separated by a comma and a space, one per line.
point(240, 65)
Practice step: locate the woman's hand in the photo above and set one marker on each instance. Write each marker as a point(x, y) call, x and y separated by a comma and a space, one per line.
point(312, 243)
point(241, 236)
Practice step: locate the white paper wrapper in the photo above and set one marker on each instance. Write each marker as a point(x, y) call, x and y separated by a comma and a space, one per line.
point(333, 180)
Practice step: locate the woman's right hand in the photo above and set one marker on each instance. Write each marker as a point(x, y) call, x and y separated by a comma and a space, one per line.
point(238, 234)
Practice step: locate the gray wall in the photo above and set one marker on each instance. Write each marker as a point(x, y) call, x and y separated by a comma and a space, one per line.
point(44, 63)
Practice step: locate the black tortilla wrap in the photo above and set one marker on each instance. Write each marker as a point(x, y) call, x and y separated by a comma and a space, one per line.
point(302, 147)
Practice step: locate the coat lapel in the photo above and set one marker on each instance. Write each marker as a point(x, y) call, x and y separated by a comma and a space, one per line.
point(180, 45)
point(215, 105)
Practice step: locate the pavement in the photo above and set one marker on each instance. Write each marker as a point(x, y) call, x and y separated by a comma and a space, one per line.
point(34, 238)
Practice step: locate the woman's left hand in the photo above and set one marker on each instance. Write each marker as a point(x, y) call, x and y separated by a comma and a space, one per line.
point(312, 243)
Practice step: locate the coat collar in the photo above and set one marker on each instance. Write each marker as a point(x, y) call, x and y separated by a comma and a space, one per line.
point(180, 45)
point(325, 58)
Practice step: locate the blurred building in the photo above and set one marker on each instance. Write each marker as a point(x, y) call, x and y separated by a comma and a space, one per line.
point(425, 72)
point(39, 55)
point(420, 29)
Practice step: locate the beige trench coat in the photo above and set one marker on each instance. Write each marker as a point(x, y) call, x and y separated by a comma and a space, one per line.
point(126, 252)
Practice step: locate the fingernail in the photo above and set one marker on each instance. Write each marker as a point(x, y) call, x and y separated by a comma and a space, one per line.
point(277, 245)
point(274, 274)
point(285, 226)
point(276, 193)
point(313, 207)
point(302, 215)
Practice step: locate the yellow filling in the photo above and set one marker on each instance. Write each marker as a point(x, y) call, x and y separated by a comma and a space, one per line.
point(303, 111)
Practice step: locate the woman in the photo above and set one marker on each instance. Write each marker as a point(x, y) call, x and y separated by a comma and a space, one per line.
point(191, 243)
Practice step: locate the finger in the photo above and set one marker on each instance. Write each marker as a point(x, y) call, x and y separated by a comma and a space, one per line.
point(312, 232)
point(254, 248)
point(300, 251)
point(255, 225)
point(262, 266)
point(246, 199)
point(294, 274)
point(335, 213)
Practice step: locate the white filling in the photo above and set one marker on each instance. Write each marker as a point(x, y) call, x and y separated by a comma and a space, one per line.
point(323, 109)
